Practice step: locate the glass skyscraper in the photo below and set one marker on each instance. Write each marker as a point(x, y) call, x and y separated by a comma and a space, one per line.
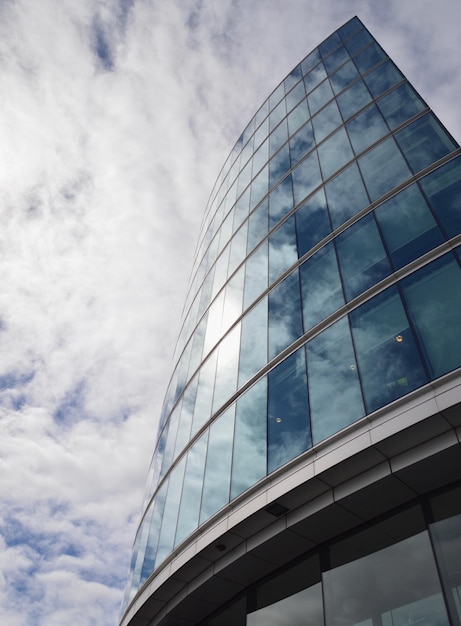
point(308, 466)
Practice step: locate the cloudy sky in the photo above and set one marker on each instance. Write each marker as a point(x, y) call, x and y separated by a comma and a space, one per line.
point(115, 118)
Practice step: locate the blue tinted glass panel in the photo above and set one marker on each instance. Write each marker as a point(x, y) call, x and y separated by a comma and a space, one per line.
point(189, 509)
point(366, 129)
point(282, 249)
point(383, 168)
point(227, 368)
point(187, 412)
point(261, 156)
point(319, 97)
point(433, 296)
point(384, 77)
point(321, 286)
point(279, 165)
point(424, 141)
point(362, 257)
point(443, 188)
point(285, 320)
point(334, 153)
point(346, 195)
point(301, 143)
point(253, 348)
point(369, 57)
point(334, 390)
point(312, 223)
point(408, 226)
point(326, 121)
point(258, 225)
point(216, 483)
point(295, 95)
point(280, 201)
point(292, 78)
point(361, 39)
point(170, 512)
point(352, 100)
point(344, 76)
point(152, 540)
point(276, 95)
point(332, 42)
point(256, 272)
point(401, 104)
point(288, 427)
point(389, 362)
point(277, 115)
point(298, 117)
point(202, 410)
point(278, 138)
point(259, 187)
point(351, 27)
point(337, 58)
point(310, 61)
point(306, 177)
point(249, 463)
point(262, 133)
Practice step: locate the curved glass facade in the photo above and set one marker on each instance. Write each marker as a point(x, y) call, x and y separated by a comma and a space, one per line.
point(326, 285)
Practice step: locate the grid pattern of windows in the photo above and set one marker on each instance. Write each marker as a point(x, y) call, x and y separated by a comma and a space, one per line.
point(296, 324)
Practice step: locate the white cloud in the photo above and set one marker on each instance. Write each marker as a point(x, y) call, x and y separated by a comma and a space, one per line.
point(115, 118)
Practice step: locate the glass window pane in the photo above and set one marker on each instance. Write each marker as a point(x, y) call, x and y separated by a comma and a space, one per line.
point(332, 42)
point(303, 607)
point(362, 258)
point(383, 78)
point(320, 96)
point(227, 368)
point(298, 117)
point(346, 195)
point(288, 427)
point(344, 76)
point(292, 78)
point(334, 153)
point(312, 223)
point(310, 61)
point(424, 141)
point(394, 586)
point(278, 137)
point(285, 323)
point(280, 201)
point(277, 115)
point(249, 463)
point(238, 249)
point(152, 541)
point(334, 390)
point(301, 143)
point(443, 188)
point(337, 58)
point(262, 133)
point(295, 95)
point(259, 187)
point(170, 512)
point(216, 482)
point(369, 57)
point(314, 77)
point(361, 39)
point(282, 249)
point(389, 362)
point(401, 104)
point(189, 509)
point(353, 99)
point(258, 225)
point(261, 156)
point(408, 226)
point(187, 411)
point(306, 177)
point(433, 296)
point(366, 128)
point(253, 346)
point(202, 410)
point(321, 286)
point(383, 168)
point(326, 121)
point(279, 165)
point(351, 27)
point(255, 275)
point(446, 535)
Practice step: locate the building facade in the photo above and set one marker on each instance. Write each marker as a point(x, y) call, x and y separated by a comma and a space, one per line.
point(308, 466)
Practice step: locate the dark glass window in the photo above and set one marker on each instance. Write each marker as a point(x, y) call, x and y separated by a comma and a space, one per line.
point(301, 143)
point(334, 390)
point(383, 168)
point(296, 94)
point(306, 177)
point(446, 535)
point(288, 428)
point(312, 223)
point(366, 128)
point(353, 99)
point(277, 115)
point(253, 347)
point(336, 58)
point(351, 27)
point(401, 104)
point(443, 188)
point(314, 78)
point(334, 153)
point(285, 320)
point(424, 141)
point(280, 201)
point(326, 121)
point(279, 165)
point(282, 249)
point(433, 296)
point(310, 61)
point(278, 137)
point(346, 195)
point(216, 482)
point(372, 55)
point(249, 463)
point(319, 97)
point(332, 42)
point(408, 226)
point(292, 78)
point(344, 76)
point(321, 286)
point(389, 362)
point(362, 258)
point(355, 44)
point(383, 78)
